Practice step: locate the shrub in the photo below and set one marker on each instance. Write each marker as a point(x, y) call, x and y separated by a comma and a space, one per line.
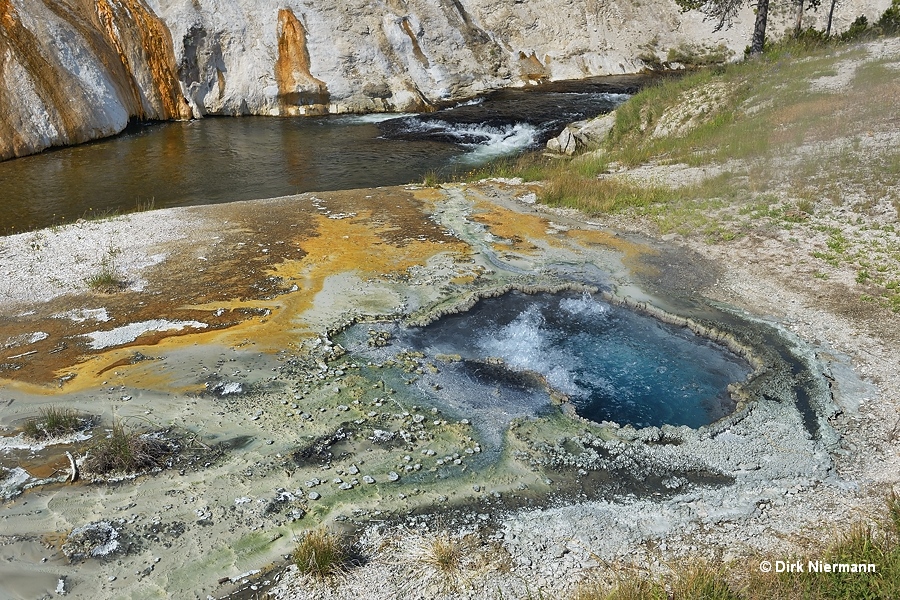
point(859, 29)
point(54, 422)
point(811, 38)
point(127, 452)
point(321, 554)
point(889, 22)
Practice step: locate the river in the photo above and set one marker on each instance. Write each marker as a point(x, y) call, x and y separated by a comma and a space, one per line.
point(217, 160)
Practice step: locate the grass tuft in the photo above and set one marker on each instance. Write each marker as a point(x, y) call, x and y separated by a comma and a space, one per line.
point(54, 422)
point(145, 205)
point(321, 554)
point(106, 280)
point(444, 553)
point(431, 179)
point(126, 451)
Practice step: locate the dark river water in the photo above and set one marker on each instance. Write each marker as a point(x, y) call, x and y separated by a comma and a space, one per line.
point(218, 160)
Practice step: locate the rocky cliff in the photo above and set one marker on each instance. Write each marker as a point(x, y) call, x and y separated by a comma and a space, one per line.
point(76, 70)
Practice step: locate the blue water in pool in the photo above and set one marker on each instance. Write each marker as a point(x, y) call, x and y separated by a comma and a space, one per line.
point(614, 364)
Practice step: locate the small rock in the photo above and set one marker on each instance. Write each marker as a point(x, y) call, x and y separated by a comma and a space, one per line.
point(393, 476)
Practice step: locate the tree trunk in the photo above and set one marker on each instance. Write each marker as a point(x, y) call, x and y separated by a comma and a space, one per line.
point(798, 26)
point(759, 30)
point(830, 15)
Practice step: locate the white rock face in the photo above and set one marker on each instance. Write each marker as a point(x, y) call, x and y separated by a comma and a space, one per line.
point(75, 70)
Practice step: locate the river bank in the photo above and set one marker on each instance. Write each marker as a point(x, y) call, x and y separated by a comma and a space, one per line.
point(217, 329)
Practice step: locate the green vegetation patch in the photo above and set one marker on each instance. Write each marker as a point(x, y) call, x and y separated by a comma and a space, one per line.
point(606, 195)
point(55, 421)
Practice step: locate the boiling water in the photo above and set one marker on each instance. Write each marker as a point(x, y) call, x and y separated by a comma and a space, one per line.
point(613, 364)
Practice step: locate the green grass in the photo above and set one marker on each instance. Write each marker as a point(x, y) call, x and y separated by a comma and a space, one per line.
point(743, 123)
point(606, 195)
point(878, 544)
point(322, 554)
point(431, 179)
point(54, 422)
point(528, 167)
point(124, 451)
point(105, 280)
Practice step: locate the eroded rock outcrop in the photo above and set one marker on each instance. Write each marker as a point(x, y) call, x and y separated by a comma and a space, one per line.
point(76, 70)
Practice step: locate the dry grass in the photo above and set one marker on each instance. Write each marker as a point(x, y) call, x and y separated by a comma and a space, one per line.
point(602, 195)
point(322, 554)
point(444, 554)
point(126, 451)
point(446, 563)
point(875, 543)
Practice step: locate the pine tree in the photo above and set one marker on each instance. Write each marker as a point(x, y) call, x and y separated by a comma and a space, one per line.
point(724, 11)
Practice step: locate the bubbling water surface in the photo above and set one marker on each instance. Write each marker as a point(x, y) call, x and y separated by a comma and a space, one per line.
point(612, 363)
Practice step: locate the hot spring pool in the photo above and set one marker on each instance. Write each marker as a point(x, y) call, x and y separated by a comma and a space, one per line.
point(612, 363)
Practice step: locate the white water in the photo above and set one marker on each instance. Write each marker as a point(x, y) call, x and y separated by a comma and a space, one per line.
point(499, 142)
point(525, 344)
point(372, 118)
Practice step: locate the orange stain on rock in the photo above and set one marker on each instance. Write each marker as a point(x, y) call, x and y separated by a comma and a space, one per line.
point(633, 254)
point(298, 90)
point(244, 292)
point(521, 229)
point(133, 49)
point(144, 47)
